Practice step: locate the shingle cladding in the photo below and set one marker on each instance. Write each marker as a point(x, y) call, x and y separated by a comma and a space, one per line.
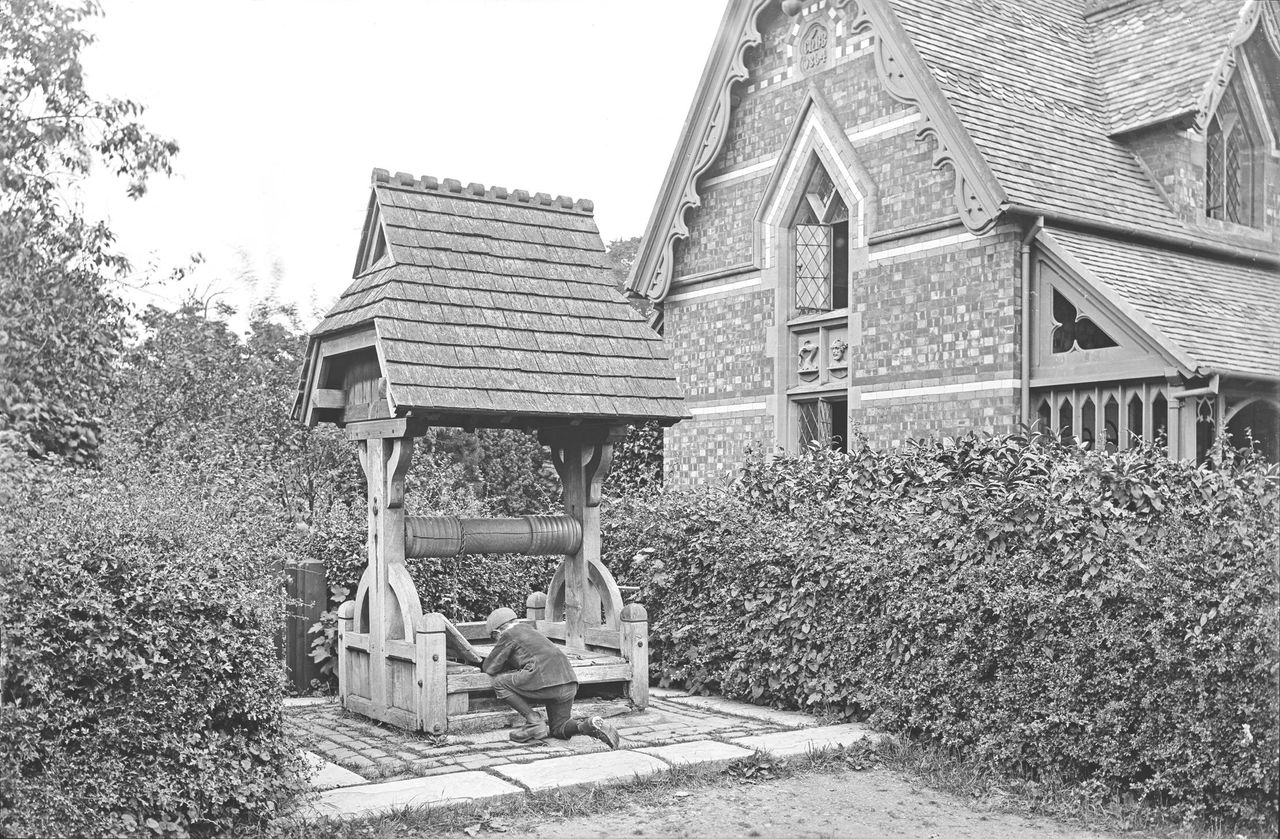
point(1020, 78)
point(1155, 58)
point(498, 303)
point(1226, 317)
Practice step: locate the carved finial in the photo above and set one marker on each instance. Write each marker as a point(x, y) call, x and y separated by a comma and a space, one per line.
point(453, 184)
point(405, 179)
point(499, 192)
point(381, 176)
point(521, 195)
point(585, 205)
point(429, 182)
point(475, 188)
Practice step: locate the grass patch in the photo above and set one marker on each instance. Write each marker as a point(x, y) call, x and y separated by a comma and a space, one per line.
point(1081, 804)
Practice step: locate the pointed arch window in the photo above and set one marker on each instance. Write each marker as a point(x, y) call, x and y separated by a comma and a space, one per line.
point(1233, 159)
point(821, 235)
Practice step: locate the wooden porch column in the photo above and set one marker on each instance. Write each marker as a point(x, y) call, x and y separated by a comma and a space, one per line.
point(582, 457)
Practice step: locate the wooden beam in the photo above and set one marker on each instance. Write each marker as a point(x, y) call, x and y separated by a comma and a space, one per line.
point(328, 398)
point(375, 429)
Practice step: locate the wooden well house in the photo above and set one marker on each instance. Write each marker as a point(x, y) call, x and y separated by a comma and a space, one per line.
point(475, 307)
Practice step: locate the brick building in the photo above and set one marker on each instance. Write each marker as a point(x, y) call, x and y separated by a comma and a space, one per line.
point(920, 217)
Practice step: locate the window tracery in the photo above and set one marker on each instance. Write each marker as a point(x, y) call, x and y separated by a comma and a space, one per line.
point(1073, 331)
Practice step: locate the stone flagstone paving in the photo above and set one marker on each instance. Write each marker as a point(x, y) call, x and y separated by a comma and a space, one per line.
point(366, 767)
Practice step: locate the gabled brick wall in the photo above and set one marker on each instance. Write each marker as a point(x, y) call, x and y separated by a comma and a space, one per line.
point(939, 322)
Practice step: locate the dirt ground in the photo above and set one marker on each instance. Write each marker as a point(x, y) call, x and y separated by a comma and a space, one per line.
point(851, 804)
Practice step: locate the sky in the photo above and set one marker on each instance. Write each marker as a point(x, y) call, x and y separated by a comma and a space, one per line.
point(282, 109)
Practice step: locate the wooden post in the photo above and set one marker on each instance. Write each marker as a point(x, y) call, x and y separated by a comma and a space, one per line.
point(346, 621)
point(433, 674)
point(535, 606)
point(385, 461)
point(635, 648)
point(582, 457)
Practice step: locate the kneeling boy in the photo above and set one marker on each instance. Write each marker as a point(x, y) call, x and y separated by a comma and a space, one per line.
point(526, 667)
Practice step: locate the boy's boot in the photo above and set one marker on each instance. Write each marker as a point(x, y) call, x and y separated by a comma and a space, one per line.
point(596, 727)
point(534, 729)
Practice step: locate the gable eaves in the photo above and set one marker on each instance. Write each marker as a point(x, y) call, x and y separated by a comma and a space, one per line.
point(374, 247)
point(700, 143)
point(1228, 60)
point(978, 196)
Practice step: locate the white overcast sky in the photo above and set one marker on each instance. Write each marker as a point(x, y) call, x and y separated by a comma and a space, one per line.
point(282, 108)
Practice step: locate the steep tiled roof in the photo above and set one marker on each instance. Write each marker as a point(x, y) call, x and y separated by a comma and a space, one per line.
point(500, 302)
point(1225, 316)
point(1155, 58)
point(1020, 79)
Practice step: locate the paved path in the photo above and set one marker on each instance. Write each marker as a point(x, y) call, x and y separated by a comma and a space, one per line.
point(365, 768)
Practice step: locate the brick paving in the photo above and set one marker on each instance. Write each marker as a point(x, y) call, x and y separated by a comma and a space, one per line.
point(382, 753)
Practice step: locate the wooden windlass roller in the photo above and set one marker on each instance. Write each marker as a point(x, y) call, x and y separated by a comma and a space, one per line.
point(529, 535)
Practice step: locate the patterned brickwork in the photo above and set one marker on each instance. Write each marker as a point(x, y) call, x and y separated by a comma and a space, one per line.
point(1172, 158)
point(720, 231)
point(938, 316)
point(910, 190)
point(891, 422)
point(710, 448)
point(718, 346)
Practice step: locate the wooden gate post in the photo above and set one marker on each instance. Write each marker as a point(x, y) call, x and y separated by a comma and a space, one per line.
point(582, 459)
point(346, 623)
point(635, 648)
point(432, 670)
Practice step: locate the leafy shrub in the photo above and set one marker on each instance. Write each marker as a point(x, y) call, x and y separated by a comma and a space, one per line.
point(1109, 618)
point(141, 685)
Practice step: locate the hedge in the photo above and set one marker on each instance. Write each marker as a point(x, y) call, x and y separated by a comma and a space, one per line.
point(141, 684)
point(1093, 617)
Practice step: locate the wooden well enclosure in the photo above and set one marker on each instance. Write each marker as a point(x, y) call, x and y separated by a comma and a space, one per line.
point(475, 307)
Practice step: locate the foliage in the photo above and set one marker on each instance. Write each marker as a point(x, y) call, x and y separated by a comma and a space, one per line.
point(141, 687)
point(1103, 618)
point(637, 461)
point(502, 472)
point(195, 392)
point(61, 329)
point(622, 253)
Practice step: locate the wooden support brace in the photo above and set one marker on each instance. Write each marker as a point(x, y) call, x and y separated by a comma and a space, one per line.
point(635, 648)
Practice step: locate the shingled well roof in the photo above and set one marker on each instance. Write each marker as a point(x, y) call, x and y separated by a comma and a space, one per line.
point(495, 302)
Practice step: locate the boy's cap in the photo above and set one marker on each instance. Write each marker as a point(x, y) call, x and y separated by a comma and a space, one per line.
point(497, 618)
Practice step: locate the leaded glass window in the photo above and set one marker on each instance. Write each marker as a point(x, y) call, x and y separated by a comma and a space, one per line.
point(825, 421)
point(815, 421)
point(1233, 150)
point(821, 235)
point(813, 267)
